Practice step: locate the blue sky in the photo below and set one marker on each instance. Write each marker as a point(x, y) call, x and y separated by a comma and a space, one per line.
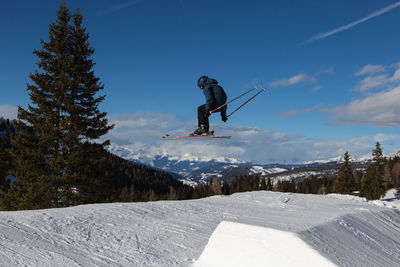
point(331, 68)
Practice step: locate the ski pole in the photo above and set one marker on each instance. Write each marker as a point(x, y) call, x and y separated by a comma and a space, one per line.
point(262, 90)
point(212, 111)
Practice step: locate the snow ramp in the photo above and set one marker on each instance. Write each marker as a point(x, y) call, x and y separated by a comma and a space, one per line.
point(235, 244)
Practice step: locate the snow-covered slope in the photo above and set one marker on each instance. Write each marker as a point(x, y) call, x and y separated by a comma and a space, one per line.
point(237, 245)
point(346, 230)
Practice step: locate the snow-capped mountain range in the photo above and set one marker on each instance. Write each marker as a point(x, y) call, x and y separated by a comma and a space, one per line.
point(192, 169)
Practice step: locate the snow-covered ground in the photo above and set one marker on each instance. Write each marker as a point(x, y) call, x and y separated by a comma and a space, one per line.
point(345, 230)
point(237, 245)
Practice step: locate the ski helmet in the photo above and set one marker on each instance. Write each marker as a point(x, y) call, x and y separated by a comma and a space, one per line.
point(201, 81)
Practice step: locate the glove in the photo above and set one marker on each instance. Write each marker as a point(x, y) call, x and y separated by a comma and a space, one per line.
point(223, 117)
point(208, 112)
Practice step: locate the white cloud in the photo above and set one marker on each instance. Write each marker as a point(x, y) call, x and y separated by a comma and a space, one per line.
point(375, 80)
point(372, 82)
point(380, 109)
point(300, 78)
point(8, 111)
point(350, 25)
point(381, 137)
point(370, 69)
point(379, 105)
point(246, 144)
point(396, 76)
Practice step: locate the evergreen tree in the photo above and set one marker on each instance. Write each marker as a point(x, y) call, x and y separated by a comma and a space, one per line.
point(4, 171)
point(269, 184)
point(225, 188)
point(4, 162)
point(256, 184)
point(235, 186)
point(216, 186)
point(303, 186)
point(292, 186)
point(172, 194)
point(6, 130)
point(388, 181)
point(57, 162)
point(344, 182)
point(243, 183)
point(94, 183)
point(263, 185)
point(397, 194)
point(396, 174)
point(322, 190)
point(372, 185)
point(357, 174)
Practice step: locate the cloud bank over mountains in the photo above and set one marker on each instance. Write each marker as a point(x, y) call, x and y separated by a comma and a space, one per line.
point(142, 132)
point(8, 111)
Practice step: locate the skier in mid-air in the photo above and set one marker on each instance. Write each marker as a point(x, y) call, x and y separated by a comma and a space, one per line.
point(215, 97)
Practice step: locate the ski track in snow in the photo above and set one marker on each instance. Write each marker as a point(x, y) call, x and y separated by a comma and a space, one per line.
point(347, 230)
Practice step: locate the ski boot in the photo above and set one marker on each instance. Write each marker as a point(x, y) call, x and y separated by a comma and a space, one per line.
point(201, 131)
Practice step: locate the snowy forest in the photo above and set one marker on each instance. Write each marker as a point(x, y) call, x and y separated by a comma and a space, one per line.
point(51, 155)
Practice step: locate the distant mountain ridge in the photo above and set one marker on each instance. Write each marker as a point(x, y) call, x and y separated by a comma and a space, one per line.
point(191, 170)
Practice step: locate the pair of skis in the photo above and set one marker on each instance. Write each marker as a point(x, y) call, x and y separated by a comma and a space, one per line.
point(169, 137)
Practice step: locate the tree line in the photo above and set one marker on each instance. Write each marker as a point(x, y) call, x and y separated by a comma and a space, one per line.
point(129, 182)
point(382, 174)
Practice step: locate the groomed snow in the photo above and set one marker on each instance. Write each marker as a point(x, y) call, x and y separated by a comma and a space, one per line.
point(237, 245)
point(346, 230)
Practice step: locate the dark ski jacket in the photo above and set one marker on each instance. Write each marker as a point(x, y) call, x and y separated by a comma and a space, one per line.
point(215, 95)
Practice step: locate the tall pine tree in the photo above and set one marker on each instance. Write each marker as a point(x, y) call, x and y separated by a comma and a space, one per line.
point(57, 159)
point(269, 184)
point(372, 186)
point(4, 170)
point(5, 160)
point(344, 182)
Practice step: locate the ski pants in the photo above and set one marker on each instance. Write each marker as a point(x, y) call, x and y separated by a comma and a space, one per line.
point(202, 116)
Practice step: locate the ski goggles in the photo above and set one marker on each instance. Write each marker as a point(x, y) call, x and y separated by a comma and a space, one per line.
point(201, 82)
